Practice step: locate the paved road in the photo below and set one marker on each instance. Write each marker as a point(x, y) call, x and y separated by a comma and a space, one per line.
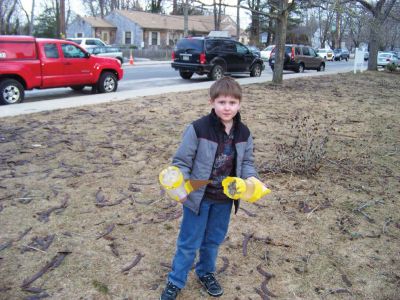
point(142, 80)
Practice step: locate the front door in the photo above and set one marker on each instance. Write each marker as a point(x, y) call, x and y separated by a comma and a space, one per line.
point(77, 67)
point(244, 58)
point(105, 36)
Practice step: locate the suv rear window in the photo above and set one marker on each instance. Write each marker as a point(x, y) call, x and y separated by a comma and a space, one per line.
point(190, 44)
point(76, 41)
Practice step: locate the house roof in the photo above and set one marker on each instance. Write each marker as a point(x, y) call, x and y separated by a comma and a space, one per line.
point(98, 22)
point(202, 24)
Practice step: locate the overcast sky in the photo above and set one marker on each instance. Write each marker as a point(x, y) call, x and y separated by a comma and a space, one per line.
point(78, 9)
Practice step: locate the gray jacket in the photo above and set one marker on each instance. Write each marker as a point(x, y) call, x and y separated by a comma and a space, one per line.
point(196, 154)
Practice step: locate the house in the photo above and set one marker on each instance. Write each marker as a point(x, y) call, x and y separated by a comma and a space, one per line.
point(147, 30)
point(92, 27)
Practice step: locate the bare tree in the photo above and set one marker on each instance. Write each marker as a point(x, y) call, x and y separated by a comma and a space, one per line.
point(380, 11)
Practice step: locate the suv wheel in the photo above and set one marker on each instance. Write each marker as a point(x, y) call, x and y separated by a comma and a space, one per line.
point(217, 72)
point(300, 69)
point(256, 71)
point(185, 74)
point(321, 67)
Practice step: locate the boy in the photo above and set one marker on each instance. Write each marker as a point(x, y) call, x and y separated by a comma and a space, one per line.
point(213, 147)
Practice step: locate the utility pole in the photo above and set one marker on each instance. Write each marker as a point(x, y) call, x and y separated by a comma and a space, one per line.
point(186, 18)
point(62, 19)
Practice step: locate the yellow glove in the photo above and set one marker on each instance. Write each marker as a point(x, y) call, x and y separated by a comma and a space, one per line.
point(234, 187)
point(249, 190)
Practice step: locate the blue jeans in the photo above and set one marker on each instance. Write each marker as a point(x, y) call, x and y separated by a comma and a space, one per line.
point(204, 233)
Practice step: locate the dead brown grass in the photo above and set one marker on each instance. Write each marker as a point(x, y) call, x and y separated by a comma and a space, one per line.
point(334, 235)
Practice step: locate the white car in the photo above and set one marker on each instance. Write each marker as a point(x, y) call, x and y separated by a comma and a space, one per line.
point(326, 54)
point(385, 58)
point(107, 52)
point(266, 52)
point(87, 43)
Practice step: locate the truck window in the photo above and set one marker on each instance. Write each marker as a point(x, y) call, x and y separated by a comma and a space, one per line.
point(17, 50)
point(50, 50)
point(71, 51)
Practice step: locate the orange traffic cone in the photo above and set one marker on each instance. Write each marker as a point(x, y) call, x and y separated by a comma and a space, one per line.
point(131, 59)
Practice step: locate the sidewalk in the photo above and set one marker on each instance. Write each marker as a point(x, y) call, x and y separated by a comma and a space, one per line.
point(82, 100)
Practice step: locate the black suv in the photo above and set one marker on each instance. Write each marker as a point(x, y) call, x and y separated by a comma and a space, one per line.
point(215, 57)
point(341, 54)
point(299, 58)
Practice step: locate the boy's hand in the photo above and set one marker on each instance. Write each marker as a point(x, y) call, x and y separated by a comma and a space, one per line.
point(234, 187)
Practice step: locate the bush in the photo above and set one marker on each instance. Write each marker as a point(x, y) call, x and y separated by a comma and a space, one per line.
point(391, 67)
point(303, 153)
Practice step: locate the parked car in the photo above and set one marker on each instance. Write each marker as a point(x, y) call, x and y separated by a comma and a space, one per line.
point(299, 58)
point(341, 54)
point(107, 52)
point(397, 53)
point(214, 57)
point(87, 43)
point(385, 58)
point(28, 63)
point(326, 54)
point(254, 50)
point(266, 52)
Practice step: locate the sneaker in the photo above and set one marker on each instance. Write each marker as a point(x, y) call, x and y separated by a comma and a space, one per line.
point(211, 284)
point(170, 292)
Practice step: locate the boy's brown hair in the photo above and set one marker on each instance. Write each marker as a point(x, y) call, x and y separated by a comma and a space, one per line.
point(226, 86)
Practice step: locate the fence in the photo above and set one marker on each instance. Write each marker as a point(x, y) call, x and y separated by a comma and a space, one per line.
point(155, 54)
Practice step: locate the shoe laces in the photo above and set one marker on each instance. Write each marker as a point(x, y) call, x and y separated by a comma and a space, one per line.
point(210, 279)
point(172, 289)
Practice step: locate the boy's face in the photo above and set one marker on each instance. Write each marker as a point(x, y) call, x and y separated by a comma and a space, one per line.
point(226, 107)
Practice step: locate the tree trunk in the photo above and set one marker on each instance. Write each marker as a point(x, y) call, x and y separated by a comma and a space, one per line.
point(32, 18)
point(238, 21)
point(8, 18)
point(174, 7)
point(280, 39)
point(374, 45)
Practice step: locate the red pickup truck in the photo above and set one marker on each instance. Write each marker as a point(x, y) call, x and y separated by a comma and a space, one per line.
point(28, 63)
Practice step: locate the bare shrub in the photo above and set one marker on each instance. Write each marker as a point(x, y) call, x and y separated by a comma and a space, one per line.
point(305, 149)
point(391, 67)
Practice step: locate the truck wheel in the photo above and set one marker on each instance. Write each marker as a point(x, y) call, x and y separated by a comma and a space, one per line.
point(256, 71)
point(77, 87)
point(217, 72)
point(107, 83)
point(11, 91)
point(186, 75)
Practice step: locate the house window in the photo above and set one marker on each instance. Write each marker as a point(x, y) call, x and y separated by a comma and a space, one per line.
point(128, 37)
point(79, 35)
point(154, 36)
